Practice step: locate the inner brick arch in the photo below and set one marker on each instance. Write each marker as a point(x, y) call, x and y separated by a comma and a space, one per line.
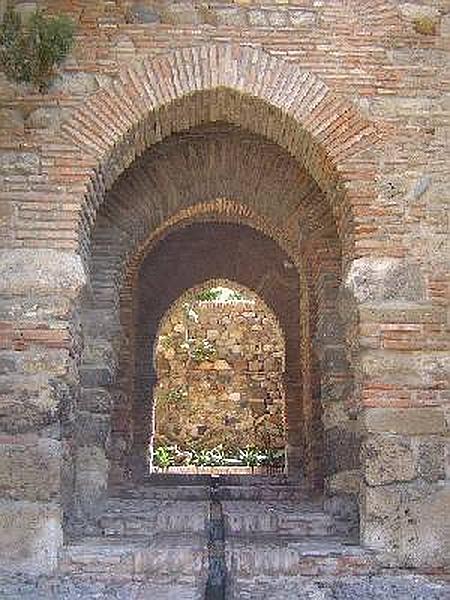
point(189, 257)
point(244, 86)
point(271, 180)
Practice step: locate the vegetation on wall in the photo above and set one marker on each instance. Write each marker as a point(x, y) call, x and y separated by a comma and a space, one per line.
point(167, 456)
point(29, 53)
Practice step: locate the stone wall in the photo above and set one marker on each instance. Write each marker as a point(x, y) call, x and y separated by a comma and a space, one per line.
point(225, 385)
point(356, 95)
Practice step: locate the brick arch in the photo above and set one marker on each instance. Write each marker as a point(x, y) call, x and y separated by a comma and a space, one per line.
point(156, 97)
point(315, 219)
point(164, 276)
point(199, 167)
point(324, 138)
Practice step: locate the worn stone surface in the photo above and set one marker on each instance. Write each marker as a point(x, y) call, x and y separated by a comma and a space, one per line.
point(31, 534)
point(406, 421)
point(29, 468)
point(387, 459)
point(41, 272)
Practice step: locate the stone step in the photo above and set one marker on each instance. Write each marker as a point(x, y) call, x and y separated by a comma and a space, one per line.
point(405, 586)
point(287, 518)
point(127, 557)
point(313, 556)
point(149, 517)
point(82, 588)
point(276, 492)
point(162, 492)
point(167, 479)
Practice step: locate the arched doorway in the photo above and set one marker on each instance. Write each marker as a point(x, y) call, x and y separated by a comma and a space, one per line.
point(236, 179)
point(219, 398)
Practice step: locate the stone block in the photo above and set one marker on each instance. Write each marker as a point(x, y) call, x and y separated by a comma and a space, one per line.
point(30, 468)
point(183, 13)
point(94, 377)
point(12, 120)
point(92, 429)
point(404, 421)
point(301, 17)
point(95, 400)
point(30, 536)
point(344, 482)
point(386, 459)
point(18, 163)
point(430, 458)
point(76, 84)
point(48, 117)
point(141, 13)
point(342, 449)
point(409, 524)
point(384, 280)
point(91, 479)
point(402, 368)
point(27, 404)
point(44, 272)
point(381, 516)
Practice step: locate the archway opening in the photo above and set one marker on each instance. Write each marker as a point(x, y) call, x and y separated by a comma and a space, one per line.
point(219, 397)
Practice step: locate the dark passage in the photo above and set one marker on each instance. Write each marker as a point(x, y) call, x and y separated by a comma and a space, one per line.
point(217, 576)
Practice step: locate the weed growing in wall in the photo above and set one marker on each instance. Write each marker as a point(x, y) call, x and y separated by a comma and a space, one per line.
point(30, 52)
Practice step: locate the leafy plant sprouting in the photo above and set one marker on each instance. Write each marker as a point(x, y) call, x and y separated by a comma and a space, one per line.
point(174, 396)
point(208, 295)
point(250, 457)
point(29, 53)
point(163, 457)
point(201, 350)
point(201, 458)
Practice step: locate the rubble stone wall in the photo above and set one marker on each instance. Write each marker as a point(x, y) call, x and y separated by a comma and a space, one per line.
point(220, 377)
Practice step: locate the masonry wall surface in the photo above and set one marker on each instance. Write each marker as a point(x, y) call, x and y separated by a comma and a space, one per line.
point(358, 92)
point(220, 372)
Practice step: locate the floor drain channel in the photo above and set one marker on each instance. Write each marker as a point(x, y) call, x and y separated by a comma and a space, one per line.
point(217, 576)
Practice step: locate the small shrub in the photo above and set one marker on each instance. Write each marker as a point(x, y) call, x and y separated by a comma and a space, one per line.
point(163, 457)
point(208, 295)
point(174, 396)
point(29, 53)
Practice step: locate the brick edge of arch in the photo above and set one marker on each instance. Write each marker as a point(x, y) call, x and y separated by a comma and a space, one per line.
point(158, 96)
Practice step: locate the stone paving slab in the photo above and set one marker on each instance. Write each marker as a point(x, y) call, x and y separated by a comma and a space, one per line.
point(278, 556)
point(148, 517)
point(121, 557)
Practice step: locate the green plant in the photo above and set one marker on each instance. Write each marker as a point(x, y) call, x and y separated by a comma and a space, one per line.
point(208, 295)
point(425, 25)
point(237, 296)
point(201, 350)
point(29, 53)
point(250, 457)
point(217, 456)
point(201, 458)
point(273, 459)
point(164, 457)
